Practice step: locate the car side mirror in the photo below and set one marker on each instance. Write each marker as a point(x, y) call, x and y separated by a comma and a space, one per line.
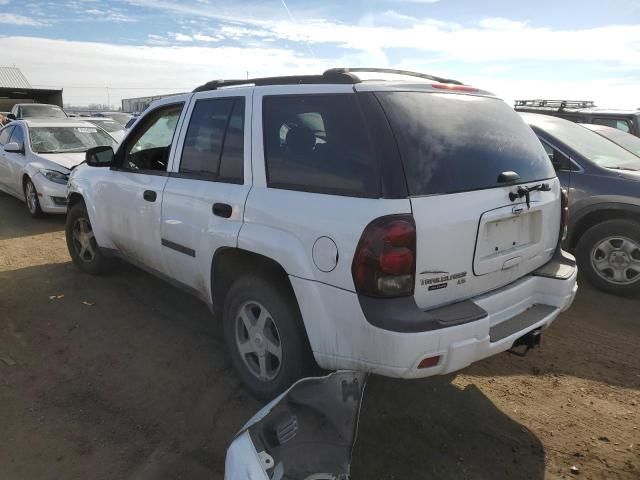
point(11, 116)
point(101, 156)
point(13, 147)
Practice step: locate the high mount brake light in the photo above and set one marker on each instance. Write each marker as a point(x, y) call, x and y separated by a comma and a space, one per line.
point(564, 214)
point(384, 263)
point(458, 88)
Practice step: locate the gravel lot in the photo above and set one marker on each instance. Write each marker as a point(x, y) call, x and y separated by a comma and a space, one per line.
point(126, 377)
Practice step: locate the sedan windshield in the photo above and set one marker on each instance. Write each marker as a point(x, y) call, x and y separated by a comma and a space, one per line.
point(30, 111)
point(625, 140)
point(67, 139)
point(592, 146)
point(107, 124)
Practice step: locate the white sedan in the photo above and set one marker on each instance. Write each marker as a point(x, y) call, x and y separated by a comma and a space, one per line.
point(37, 155)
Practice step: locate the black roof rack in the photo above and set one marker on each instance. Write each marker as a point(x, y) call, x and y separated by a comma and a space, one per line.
point(333, 75)
point(555, 104)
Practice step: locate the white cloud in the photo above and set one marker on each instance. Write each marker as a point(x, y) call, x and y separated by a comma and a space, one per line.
point(13, 19)
point(132, 71)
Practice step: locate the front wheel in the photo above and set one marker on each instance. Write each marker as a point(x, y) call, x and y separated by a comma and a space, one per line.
point(265, 336)
point(609, 256)
point(31, 199)
point(81, 242)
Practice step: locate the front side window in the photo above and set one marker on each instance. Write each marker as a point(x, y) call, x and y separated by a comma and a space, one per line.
point(617, 123)
point(319, 143)
point(67, 139)
point(559, 160)
point(17, 136)
point(5, 134)
point(148, 146)
point(214, 142)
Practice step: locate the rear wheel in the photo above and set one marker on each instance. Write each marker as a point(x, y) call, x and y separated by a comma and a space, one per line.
point(31, 199)
point(81, 242)
point(609, 256)
point(265, 336)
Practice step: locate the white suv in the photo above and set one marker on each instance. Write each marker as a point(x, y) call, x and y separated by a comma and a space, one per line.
point(404, 227)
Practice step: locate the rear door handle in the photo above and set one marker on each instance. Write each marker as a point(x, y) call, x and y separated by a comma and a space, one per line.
point(149, 195)
point(223, 210)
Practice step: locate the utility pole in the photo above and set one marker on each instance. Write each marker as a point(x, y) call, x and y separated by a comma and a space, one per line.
point(108, 99)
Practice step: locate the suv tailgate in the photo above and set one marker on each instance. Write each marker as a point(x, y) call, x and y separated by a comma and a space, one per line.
point(471, 237)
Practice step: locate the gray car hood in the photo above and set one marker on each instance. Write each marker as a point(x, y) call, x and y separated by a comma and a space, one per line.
point(66, 160)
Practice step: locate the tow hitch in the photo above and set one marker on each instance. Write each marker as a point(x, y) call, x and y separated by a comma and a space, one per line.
point(528, 341)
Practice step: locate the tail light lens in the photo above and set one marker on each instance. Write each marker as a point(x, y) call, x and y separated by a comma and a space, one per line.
point(384, 264)
point(564, 214)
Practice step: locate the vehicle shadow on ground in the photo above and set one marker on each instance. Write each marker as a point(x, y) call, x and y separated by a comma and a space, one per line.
point(127, 377)
point(432, 429)
point(602, 348)
point(16, 222)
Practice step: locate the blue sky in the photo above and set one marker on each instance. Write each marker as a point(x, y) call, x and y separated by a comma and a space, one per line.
point(588, 49)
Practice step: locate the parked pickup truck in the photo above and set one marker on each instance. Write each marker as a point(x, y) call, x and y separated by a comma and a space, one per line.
point(406, 227)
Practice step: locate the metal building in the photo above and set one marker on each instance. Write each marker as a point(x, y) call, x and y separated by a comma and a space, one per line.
point(140, 104)
point(15, 88)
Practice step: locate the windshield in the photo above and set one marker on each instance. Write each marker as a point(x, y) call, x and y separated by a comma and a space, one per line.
point(455, 143)
point(592, 146)
point(625, 140)
point(121, 118)
point(67, 139)
point(42, 111)
point(107, 124)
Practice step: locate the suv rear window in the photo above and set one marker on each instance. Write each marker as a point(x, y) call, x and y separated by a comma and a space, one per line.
point(454, 143)
point(319, 143)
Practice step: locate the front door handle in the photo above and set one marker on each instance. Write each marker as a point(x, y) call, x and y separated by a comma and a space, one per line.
point(149, 195)
point(223, 210)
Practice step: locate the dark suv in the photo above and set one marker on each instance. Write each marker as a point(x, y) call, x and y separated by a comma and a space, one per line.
point(580, 111)
point(603, 181)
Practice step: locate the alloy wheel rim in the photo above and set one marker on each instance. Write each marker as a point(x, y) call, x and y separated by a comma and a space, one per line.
point(31, 197)
point(258, 341)
point(616, 259)
point(84, 241)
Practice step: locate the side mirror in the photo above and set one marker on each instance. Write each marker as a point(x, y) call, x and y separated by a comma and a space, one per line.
point(101, 156)
point(11, 116)
point(13, 147)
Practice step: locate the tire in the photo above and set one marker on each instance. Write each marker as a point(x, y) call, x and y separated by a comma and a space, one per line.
point(281, 327)
point(81, 242)
point(31, 199)
point(608, 255)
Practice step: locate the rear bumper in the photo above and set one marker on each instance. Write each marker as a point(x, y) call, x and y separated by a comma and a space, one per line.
point(342, 337)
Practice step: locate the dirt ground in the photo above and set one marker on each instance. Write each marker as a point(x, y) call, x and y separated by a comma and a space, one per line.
point(126, 377)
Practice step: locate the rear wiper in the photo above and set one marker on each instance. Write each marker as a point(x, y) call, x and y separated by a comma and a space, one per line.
point(525, 192)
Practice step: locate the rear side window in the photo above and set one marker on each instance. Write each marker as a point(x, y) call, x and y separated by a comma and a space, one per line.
point(454, 143)
point(214, 143)
point(319, 143)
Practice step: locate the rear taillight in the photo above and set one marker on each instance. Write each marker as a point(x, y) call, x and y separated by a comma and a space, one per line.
point(384, 264)
point(564, 213)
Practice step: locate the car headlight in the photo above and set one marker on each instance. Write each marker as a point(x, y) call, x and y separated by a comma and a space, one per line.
point(55, 176)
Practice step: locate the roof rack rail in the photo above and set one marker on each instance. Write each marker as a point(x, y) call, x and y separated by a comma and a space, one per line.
point(407, 73)
point(333, 75)
point(555, 104)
